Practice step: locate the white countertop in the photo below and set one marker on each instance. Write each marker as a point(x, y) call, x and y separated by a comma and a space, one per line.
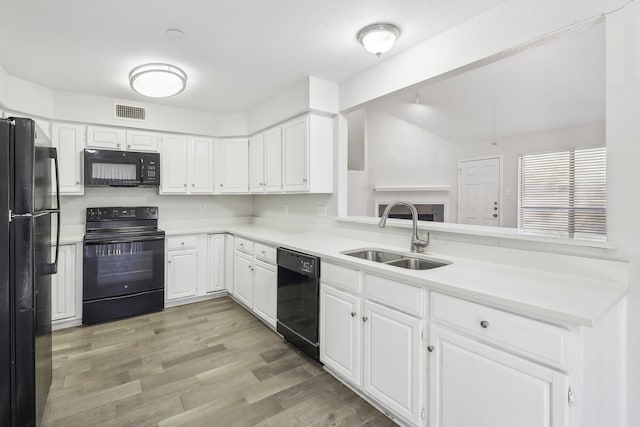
point(561, 298)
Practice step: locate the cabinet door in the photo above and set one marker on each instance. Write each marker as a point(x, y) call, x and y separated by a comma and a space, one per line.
point(265, 291)
point(138, 140)
point(201, 165)
point(182, 273)
point(273, 160)
point(216, 263)
point(295, 145)
point(393, 371)
point(243, 280)
point(341, 332)
point(173, 160)
point(474, 384)
point(234, 165)
point(63, 285)
point(105, 137)
point(69, 140)
point(256, 164)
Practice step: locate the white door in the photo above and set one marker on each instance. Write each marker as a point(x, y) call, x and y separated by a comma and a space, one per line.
point(273, 160)
point(265, 291)
point(234, 165)
point(69, 140)
point(105, 137)
point(341, 332)
point(201, 165)
point(243, 279)
point(472, 384)
point(393, 360)
point(63, 284)
point(216, 263)
point(139, 140)
point(256, 163)
point(182, 273)
point(295, 141)
point(173, 164)
point(479, 192)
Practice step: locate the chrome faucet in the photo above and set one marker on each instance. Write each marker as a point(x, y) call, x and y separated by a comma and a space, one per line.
point(417, 244)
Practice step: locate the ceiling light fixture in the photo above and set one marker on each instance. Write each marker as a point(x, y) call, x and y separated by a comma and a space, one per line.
point(158, 80)
point(378, 38)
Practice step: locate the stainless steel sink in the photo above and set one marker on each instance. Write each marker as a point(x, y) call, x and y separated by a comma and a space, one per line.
point(374, 255)
point(395, 259)
point(416, 263)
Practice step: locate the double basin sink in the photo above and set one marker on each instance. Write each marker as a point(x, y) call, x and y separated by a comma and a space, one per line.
point(395, 259)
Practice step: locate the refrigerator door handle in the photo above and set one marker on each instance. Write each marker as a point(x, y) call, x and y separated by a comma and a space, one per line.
point(53, 267)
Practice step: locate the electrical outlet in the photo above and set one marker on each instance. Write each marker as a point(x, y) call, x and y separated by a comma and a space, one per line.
point(322, 211)
point(285, 209)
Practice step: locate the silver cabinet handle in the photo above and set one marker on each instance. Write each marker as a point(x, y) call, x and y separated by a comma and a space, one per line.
point(353, 314)
point(169, 262)
point(365, 318)
point(304, 179)
point(484, 324)
point(221, 185)
point(182, 243)
point(118, 145)
point(77, 182)
point(193, 185)
point(263, 253)
point(431, 349)
point(185, 185)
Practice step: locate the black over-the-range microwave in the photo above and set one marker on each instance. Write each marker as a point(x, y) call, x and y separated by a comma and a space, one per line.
point(121, 168)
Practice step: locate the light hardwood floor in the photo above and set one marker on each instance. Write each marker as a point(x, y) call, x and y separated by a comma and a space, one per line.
point(204, 364)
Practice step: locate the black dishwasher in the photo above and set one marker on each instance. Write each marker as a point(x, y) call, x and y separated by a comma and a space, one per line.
point(298, 296)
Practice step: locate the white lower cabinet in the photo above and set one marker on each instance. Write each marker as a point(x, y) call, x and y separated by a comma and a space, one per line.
point(182, 273)
point(393, 357)
point(341, 332)
point(255, 283)
point(377, 348)
point(265, 291)
point(472, 384)
point(63, 285)
point(195, 267)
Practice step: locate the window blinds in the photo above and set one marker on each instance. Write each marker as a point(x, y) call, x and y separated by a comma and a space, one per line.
point(564, 193)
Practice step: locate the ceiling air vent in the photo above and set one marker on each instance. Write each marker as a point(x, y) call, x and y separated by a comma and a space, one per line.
point(129, 112)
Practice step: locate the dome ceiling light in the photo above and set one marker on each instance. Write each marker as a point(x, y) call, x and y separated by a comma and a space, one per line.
point(378, 38)
point(158, 80)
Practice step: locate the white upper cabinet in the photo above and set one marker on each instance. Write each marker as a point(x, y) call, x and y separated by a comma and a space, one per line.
point(233, 163)
point(69, 140)
point(173, 164)
point(256, 163)
point(307, 144)
point(106, 137)
point(273, 160)
point(139, 140)
point(200, 167)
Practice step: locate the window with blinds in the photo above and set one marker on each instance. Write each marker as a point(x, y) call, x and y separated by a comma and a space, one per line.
point(564, 193)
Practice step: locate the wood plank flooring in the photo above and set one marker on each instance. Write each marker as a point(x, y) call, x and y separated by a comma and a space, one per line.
point(205, 364)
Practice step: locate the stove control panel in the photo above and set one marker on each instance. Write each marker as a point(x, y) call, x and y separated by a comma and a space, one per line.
point(115, 213)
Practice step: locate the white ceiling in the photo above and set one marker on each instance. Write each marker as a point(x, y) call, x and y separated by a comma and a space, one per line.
point(554, 85)
point(237, 53)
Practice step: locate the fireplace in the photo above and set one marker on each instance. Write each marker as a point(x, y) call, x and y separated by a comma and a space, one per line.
point(431, 211)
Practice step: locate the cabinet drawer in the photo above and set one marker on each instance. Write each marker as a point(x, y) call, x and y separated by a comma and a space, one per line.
point(244, 245)
point(180, 242)
point(265, 253)
point(342, 277)
point(547, 343)
point(409, 299)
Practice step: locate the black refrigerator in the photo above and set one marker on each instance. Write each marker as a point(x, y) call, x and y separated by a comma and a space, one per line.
point(28, 165)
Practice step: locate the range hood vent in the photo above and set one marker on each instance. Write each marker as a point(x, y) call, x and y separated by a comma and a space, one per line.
point(129, 112)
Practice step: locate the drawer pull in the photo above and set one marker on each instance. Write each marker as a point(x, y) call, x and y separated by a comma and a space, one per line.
point(431, 349)
point(263, 252)
point(484, 324)
point(365, 318)
point(353, 314)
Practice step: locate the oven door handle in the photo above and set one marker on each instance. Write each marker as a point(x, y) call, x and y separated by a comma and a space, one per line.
point(123, 240)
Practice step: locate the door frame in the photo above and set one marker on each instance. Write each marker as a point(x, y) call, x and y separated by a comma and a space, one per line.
point(500, 159)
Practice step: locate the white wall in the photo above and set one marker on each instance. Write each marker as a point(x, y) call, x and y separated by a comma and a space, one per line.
point(26, 97)
point(170, 207)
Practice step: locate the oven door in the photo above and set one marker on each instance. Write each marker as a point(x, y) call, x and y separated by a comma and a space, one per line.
point(123, 266)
